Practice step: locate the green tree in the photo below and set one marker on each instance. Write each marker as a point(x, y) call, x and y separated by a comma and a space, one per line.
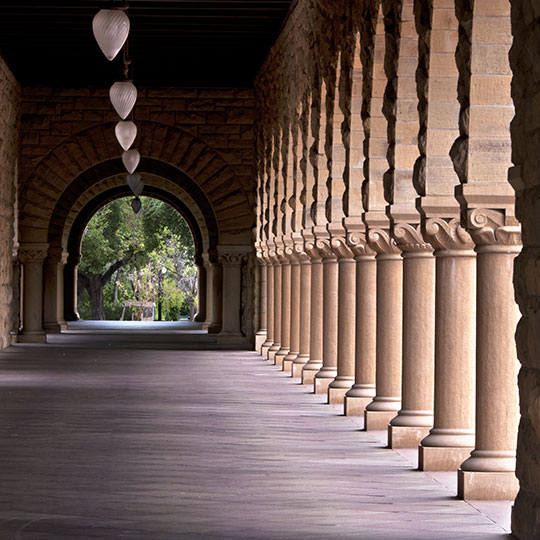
point(117, 243)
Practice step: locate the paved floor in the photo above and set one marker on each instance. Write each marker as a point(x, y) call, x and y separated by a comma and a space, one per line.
point(115, 443)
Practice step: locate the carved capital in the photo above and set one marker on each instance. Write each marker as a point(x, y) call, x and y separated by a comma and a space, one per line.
point(232, 258)
point(381, 242)
point(340, 248)
point(324, 247)
point(33, 253)
point(299, 251)
point(357, 242)
point(447, 234)
point(209, 259)
point(487, 227)
point(409, 238)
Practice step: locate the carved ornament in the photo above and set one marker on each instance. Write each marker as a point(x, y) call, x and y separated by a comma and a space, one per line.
point(409, 238)
point(448, 234)
point(33, 253)
point(487, 227)
point(381, 242)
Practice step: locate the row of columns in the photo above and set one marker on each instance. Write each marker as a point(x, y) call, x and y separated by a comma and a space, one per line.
point(412, 330)
point(48, 285)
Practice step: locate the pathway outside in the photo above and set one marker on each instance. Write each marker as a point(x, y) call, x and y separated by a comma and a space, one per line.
point(121, 441)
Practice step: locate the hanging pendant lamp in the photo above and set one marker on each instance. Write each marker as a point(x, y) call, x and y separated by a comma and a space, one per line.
point(136, 205)
point(125, 132)
point(135, 183)
point(123, 96)
point(130, 159)
point(111, 29)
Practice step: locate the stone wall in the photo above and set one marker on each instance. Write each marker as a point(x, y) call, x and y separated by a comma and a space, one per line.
point(9, 124)
point(525, 177)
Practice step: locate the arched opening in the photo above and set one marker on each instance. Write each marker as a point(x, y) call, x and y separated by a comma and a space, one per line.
point(137, 266)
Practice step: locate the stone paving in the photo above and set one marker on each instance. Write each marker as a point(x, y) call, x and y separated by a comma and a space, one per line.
point(105, 442)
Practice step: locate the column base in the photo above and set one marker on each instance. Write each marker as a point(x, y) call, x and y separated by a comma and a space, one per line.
point(213, 328)
point(260, 338)
point(309, 371)
point(377, 420)
point(297, 369)
point(32, 337)
point(272, 351)
point(199, 317)
point(487, 486)
point(406, 436)
point(355, 406)
point(265, 347)
point(336, 396)
point(280, 355)
point(54, 327)
point(442, 458)
point(232, 339)
point(323, 379)
point(287, 365)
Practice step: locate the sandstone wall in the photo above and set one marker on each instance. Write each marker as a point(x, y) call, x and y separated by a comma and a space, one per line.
point(9, 139)
point(526, 179)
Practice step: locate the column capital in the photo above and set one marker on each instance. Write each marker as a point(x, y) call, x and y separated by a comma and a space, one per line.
point(209, 258)
point(409, 239)
point(299, 252)
point(447, 234)
point(381, 242)
point(309, 245)
point(33, 252)
point(233, 255)
point(488, 227)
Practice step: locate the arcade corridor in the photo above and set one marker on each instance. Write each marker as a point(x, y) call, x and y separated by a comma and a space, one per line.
point(108, 443)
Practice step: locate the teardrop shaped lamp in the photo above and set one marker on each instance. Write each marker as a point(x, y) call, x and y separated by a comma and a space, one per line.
point(125, 132)
point(111, 29)
point(136, 206)
point(123, 96)
point(135, 183)
point(130, 159)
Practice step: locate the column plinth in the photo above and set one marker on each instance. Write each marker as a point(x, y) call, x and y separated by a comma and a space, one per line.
point(346, 322)
point(452, 437)
point(328, 371)
point(387, 400)
point(415, 417)
point(363, 390)
point(32, 257)
point(489, 472)
point(314, 363)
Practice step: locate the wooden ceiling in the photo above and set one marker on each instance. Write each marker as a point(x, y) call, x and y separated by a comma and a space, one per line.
point(203, 43)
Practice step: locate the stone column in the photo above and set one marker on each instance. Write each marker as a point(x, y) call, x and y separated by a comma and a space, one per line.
point(201, 291)
point(294, 314)
point(269, 301)
point(32, 256)
point(304, 316)
point(232, 258)
point(363, 390)
point(452, 437)
point(285, 306)
point(329, 314)
point(415, 418)
point(260, 336)
point(276, 345)
point(346, 322)
point(53, 291)
point(314, 364)
point(489, 473)
point(70, 287)
point(387, 400)
point(213, 293)
point(16, 307)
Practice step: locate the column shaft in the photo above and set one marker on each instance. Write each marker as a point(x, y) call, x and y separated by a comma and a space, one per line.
point(363, 390)
point(269, 311)
point(70, 292)
point(452, 437)
point(285, 314)
point(387, 400)
point(260, 336)
point(294, 318)
point(328, 371)
point(315, 363)
point(305, 319)
point(346, 332)
point(415, 418)
point(489, 472)
point(201, 294)
point(277, 313)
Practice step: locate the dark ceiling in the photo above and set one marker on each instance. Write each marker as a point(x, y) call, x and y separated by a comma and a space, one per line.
point(203, 43)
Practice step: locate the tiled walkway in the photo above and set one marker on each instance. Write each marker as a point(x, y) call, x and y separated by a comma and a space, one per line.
point(112, 443)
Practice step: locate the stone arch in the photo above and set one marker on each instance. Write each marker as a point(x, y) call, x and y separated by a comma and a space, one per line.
point(75, 163)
